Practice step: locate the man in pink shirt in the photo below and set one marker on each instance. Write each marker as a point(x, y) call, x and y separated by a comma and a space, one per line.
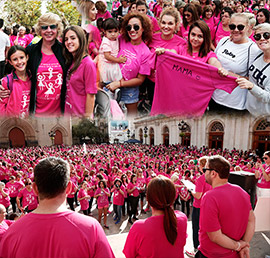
point(52, 230)
point(227, 221)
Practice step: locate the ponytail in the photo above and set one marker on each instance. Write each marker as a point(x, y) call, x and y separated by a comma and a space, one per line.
point(170, 224)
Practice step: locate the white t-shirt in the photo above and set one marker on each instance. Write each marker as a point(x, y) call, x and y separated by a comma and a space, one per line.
point(258, 99)
point(4, 42)
point(236, 58)
point(124, 10)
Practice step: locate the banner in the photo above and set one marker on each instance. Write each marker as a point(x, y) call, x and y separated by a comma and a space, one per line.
point(184, 86)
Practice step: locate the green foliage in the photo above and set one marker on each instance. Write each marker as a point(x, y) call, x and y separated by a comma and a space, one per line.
point(22, 12)
point(86, 131)
point(67, 12)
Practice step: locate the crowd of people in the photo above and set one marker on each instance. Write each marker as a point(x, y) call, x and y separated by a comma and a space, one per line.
point(120, 175)
point(116, 52)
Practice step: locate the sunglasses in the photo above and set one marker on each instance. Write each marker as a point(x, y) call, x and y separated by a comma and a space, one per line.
point(187, 15)
point(258, 36)
point(240, 27)
point(136, 27)
point(265, 158)
point(205, 169)
point(52, 27)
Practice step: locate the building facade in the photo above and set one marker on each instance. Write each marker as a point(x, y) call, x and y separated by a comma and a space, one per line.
point(212, 130)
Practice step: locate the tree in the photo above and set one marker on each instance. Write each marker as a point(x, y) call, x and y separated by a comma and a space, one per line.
point(86, 131)
point(65, 9)
point(25, 13)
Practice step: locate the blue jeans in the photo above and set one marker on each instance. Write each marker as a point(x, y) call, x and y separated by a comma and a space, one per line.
point(118, 211)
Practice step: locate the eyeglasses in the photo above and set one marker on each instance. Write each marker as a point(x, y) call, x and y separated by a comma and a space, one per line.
point(187, 15)
point(240, 27)
point(258, 36)
point(52, 27)
point(136, 27)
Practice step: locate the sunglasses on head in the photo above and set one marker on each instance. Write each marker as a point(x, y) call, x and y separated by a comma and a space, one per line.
point(52, 27)
point(240, 27)
point(129, 27)
point(258, 36)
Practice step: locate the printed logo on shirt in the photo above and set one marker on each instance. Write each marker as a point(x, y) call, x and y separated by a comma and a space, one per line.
point(130, 58)
point(228, 53)
point(29, 198)
point(258, 75)
point(49, 80)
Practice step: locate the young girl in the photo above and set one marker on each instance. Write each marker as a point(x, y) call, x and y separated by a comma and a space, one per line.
point(81, 82)
point(102, 194)
point(109, 62)
point(19, 84)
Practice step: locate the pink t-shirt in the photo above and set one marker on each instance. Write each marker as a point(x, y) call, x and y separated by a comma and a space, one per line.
point(183, 32)
point(147, 238)
point(118, 198)
point(49, 83)
point(200, 187)
point(14, 188)
point(105, 16)
point(224, 208)
point(28, 199)
point(262, 183)
point(115, 5)
point(184, 87)
point(24, 42)
point(195, 56)
point(65, 234)
point(141, 182)
point(19, 98)
point(154, 23)
point(135, 193)
point(84, 202)
point(80, 83)
point(73, 190)
point(102, 200)
point(5, 200)
point(4, 226)
point(137, 59)
point(220, 33)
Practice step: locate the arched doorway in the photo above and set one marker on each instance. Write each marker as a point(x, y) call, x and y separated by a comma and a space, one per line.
point(152, 136)
point(216, 134)
point(16, 137)
point(166, 136)
point(58, 139)
point(261, 137)
point(185, 135)
point(141, 135)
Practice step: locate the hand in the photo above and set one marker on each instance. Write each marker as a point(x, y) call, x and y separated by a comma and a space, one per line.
point(243, 244)
point(223, 72)
point(244, 83)
point(244, 253)
point(113, 86)
point(4, 93)
point(160, 50)
point(122, 59)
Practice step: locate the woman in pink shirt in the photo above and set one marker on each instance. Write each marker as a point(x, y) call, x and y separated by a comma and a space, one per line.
point(14, 187)
point(81, 81)
point(133, 191)
point(83, 198)
point(190, 16)
point(262, 173)
point(164, 233)
point(102, 193)
point(102, 10)
point(4, 196)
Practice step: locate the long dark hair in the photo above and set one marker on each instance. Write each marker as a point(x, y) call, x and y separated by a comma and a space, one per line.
point(80, 53)
point(160, 195)
point(206, 45)
point(14, 49)
point(191, 9)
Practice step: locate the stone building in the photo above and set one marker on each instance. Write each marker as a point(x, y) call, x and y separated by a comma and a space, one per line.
point(16, 132)
point(212, 130)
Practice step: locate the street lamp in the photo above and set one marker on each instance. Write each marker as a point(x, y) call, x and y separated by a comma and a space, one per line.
point(52, 136)
point(182, 126)
point(128, 133)
point(145, 133)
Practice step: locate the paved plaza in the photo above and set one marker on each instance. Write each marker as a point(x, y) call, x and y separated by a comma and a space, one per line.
point(260, 244)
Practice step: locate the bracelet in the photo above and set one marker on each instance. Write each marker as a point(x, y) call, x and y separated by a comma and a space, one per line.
point(238, 247)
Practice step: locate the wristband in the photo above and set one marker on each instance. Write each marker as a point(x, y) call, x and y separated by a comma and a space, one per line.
point(238, 247)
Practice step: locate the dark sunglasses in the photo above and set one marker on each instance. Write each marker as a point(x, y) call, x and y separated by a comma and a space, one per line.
point(129, 27)
point(205, 169)
point(265, 158)
point(240, 27)
point(187, 15)
point(52, 27)
point(258, 36)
